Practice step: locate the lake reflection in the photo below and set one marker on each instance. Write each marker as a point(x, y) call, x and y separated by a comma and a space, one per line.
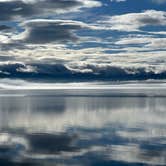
point(49, 130)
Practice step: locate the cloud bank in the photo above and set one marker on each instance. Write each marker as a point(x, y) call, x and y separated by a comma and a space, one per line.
point(78, 73)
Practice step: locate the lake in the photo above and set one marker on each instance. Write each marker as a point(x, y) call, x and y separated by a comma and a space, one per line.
point(82, 127)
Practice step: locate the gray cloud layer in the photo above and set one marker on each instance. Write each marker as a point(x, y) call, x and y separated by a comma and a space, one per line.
point(18, 9)
point(84, 73)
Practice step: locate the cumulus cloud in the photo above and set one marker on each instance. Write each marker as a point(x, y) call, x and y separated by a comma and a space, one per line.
point(19, 9)
point(135, 21)
point(42, 31)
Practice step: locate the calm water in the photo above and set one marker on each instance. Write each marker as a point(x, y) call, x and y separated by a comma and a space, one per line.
point(61, 128)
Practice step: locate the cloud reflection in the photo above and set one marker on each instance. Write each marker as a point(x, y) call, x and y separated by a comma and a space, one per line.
point(83, 130)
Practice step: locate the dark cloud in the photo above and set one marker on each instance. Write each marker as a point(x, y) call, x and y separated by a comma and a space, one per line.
point(16, 9)
point(4, 27)
point(150, 21)
point(6, 58)
point(46, 31)
point(6, 162)
point(23, 152)
point(62, 72)
point(12, 9)
point(50, 143)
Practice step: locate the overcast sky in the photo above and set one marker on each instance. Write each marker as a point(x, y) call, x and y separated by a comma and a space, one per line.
point(83, 39)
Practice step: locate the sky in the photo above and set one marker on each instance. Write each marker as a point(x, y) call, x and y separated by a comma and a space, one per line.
point(82, 40)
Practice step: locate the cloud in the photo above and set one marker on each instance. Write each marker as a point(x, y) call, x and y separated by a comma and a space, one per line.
point(146, 42)
point(117, 0)
point(50, 143)
point(44, 44)
point(135, 21)
point(4, 27)
point(27, 135)
point(6, 58)
point(20, 9)
point(155, 1)
point(159, 1)
point(86, 143)
point(137, 60)
point(41, 31)
point(84, 72)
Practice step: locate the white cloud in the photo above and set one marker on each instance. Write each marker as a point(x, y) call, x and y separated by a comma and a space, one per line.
point(134, 21)
point(147, 42)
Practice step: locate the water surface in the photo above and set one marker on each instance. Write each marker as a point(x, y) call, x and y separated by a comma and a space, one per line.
point(82, 128)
